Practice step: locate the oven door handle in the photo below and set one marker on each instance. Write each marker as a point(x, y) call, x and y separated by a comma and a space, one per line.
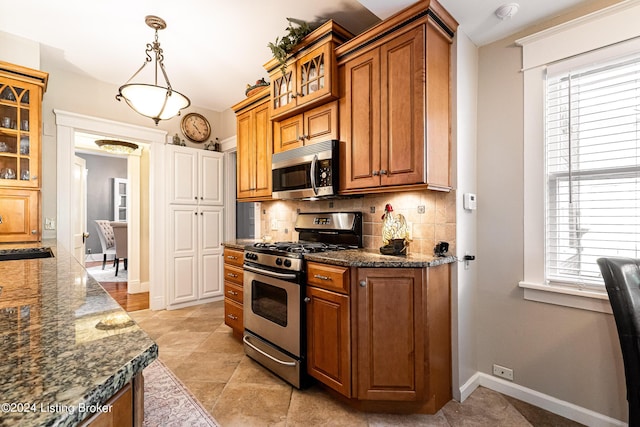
point(245, 339)
point(314, 164)
point(269, 273)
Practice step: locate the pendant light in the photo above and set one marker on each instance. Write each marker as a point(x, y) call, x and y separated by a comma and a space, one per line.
point(151, 99)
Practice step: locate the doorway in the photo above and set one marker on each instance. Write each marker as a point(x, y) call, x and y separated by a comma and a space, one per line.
point(68, 125)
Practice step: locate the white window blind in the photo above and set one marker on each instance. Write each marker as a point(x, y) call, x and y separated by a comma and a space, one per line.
point(592, 169)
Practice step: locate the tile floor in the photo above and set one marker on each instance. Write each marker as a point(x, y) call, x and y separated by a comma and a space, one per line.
point(199, 348)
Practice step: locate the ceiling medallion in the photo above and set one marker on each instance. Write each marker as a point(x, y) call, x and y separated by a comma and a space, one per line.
point(151, 99)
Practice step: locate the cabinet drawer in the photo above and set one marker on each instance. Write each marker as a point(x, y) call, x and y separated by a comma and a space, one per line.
point(233, 292)
point(233, 274)
point(233, 256)
point(233, 315)
point(331, 277)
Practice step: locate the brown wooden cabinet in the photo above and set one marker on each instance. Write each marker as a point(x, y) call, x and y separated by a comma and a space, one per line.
point(394, 103)
point(328, 326)
point(21, 91)
point(381, 335)
point(254, 139)
point(233, 290)
point(310, 75)
point(316, 125)
point(126, 407)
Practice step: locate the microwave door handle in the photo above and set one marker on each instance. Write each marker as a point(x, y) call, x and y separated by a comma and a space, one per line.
point(314, 162)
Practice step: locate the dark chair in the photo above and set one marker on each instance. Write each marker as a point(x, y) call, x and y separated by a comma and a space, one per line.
point(622, 280)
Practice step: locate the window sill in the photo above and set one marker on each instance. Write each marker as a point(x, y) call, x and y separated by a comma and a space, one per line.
point(568, 297)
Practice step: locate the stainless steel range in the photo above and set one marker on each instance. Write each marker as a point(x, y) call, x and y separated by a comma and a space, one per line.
point(274, 286)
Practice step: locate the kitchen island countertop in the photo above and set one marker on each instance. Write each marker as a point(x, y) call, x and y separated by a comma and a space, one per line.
point(66, 345)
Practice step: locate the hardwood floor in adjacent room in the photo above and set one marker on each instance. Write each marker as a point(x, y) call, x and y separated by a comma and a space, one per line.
point(118, 291)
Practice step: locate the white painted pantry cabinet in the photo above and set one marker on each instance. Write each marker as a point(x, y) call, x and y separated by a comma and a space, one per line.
point(196, 221)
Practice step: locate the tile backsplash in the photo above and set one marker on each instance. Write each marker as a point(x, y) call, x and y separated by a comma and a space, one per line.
point(432, 215)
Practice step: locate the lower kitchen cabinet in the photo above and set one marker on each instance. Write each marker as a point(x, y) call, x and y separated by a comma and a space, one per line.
point(385, 338)
point(328, 339)
point(195, 264)
point(19, 215)
point(233, 290)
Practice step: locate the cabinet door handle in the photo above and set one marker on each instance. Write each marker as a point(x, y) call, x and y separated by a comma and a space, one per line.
point(34, 231)
point(319, 276)
point(383, 172)
point(375, 173)
point(363, 283)
point(232, 257)
point(307, 300)
point(1, 219)
point(232, 316)
point(294, 95)
point(195, 198)
point(232, 275)
point(230, 292)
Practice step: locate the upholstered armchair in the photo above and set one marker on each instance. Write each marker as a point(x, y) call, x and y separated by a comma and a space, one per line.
point(107, 239)
point(120, 234)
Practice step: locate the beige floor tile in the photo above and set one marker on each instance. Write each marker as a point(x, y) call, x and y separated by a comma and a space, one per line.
point(483, 408)
point(177, 339)
point(156, 327)
point(199, 324)
point(250, 405)
point(314, 407)
point(539, 417)
point(412, 420)
point(207, 392)
point(203, 366)
point(251, 372)
point(221, 342)
point(173, 358)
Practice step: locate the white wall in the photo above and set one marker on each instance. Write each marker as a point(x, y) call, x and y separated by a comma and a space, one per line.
point(570, 354)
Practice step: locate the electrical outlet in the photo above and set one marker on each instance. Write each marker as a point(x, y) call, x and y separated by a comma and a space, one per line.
point(274, 224)
point(421, 209)
point(372, 209)
point(502, 372)
point(330, 204)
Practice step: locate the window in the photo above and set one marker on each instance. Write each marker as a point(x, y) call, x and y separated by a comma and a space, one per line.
point(592, 163)
point(598, 166)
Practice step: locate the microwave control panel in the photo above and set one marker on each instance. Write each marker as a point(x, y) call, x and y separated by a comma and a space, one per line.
point(324, 173)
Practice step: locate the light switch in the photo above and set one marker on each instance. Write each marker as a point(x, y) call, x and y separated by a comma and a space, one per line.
point(469, 201)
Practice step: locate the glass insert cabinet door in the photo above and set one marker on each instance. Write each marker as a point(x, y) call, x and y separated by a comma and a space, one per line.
point(120, 202)
point(19, 135)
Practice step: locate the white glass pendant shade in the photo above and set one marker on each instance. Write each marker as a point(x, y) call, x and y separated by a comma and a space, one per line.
point(156, 102)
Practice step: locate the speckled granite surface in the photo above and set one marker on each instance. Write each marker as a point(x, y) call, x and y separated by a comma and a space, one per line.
point(54, 360)
point(373, 258)
point(240, 243)
point(362, 257)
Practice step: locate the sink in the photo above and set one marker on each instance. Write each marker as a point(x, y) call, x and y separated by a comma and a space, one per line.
point(25, 253)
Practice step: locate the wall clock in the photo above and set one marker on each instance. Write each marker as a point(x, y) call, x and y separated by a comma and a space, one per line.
point(195, 127)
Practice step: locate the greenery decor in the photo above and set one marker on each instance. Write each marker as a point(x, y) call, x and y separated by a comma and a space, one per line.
point(283, 46)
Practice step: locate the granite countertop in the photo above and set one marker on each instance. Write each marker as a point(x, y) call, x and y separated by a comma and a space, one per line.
point(361, 257)
point(240, 243)
point(65, 343)
point(373, 258)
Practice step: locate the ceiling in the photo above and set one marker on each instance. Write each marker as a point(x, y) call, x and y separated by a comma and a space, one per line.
point(214, 48)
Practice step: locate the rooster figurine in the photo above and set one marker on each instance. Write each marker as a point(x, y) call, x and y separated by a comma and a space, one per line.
point(393, 226)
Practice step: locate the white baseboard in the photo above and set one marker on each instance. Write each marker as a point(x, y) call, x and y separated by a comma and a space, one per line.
point(541, 400)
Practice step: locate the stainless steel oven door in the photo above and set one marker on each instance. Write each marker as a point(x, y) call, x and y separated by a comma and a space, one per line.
point(272, 308)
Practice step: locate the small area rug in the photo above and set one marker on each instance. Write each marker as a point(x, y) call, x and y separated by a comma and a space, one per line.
point(109, 273)
point(167, 402)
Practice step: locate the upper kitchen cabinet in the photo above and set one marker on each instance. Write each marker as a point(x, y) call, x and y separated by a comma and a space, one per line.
point(21, 91)
point(395, 103)
point(255, 147)
point(196, 176)
point(310, 77)
point(315, 125)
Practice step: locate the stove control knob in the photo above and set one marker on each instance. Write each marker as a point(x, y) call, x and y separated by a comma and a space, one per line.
point(287, 263)
point(278, 261)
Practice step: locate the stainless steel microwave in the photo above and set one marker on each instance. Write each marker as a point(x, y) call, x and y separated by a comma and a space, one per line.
point(307, 172)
